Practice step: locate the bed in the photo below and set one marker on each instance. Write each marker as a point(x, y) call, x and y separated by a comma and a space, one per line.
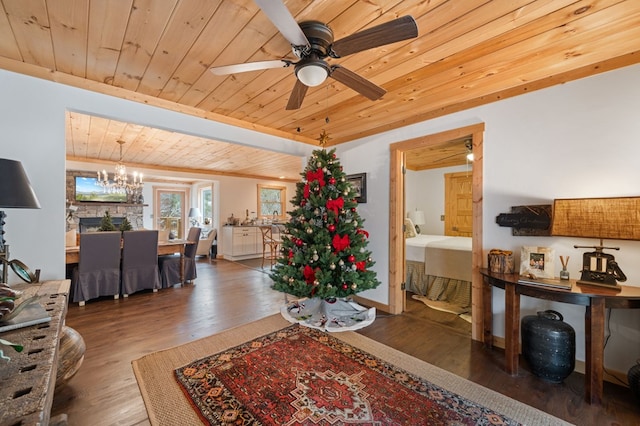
point(439, 269)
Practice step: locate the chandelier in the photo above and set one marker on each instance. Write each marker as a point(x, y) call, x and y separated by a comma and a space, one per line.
point(120, 183)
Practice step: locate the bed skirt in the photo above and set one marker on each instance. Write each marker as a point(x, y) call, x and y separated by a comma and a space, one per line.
point(453, 291)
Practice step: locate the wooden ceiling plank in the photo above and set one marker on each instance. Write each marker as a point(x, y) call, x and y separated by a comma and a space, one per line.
point(32, 31)
point(107, 27)
point(232, 16)
point(185, 25)
point(8, 44)
point(69, 20)
point(146, 24)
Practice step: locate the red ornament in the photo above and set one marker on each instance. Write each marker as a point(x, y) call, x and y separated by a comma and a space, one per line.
point(351, 258)
point(332, 181)
point(299, 242)
point(331, 227)
point(345, 286)
point(353, 209)
point(361, 265)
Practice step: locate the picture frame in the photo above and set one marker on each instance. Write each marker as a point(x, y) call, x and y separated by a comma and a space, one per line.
point(537, 262)
point(359, 183)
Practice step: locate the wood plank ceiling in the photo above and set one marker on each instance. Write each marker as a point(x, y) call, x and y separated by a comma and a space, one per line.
point(468, 53)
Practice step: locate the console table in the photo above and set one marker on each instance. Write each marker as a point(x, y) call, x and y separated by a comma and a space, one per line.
point(595, 300)
point(29, 379)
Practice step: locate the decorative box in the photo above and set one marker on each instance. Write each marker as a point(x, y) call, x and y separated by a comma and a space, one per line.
point(501, 261)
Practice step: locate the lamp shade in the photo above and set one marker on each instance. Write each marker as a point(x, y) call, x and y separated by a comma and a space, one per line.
point(15, 189)
point(417, 217)
point(604, 218)
point(194, 212)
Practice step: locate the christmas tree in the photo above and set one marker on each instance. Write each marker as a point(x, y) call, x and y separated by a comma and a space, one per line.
point(106, 224)
point(324, 251)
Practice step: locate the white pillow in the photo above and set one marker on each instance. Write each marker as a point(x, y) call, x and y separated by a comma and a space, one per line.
point(410, 228)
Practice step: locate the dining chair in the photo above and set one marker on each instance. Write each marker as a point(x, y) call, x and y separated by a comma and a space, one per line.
point(140, 261)
point(271, 242)
point(170, 264)
point(98, 270)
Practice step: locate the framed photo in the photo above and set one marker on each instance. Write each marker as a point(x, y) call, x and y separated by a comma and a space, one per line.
point(359, 183)
point(537, 262)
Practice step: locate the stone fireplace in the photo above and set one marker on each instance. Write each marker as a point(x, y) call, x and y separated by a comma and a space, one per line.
point(88, 215)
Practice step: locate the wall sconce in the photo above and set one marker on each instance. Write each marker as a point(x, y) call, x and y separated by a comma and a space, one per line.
point(602, 218)
point(15, 192)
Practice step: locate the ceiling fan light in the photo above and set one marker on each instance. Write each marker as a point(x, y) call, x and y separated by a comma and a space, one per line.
point(312, 74)
point(470, 156)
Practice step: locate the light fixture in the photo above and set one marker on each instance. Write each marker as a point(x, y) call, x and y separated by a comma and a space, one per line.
point(417, 217)
point(194, 214)
point(469, 147)
point(120, 183)
point(15, 192)
point(312, 71)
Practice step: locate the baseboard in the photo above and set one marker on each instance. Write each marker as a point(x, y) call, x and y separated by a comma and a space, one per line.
point(611, 376)
point(380, 307)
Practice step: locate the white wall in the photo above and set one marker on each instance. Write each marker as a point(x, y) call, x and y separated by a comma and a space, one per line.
point(424, 190)
point(579, 139)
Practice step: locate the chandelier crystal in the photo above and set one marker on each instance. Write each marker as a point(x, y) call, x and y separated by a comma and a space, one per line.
point(120, 183)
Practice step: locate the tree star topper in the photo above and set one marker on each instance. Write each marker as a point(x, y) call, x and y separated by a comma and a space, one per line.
point(324, 138)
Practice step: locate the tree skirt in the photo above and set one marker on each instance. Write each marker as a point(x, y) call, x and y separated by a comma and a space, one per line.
point(299, 376)
point(328, 315)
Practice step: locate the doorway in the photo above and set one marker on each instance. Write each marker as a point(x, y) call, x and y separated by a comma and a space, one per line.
point(170, 211)
point(397, 274)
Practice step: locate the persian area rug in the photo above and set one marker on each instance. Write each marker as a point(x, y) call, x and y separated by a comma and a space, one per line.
point(272, 373)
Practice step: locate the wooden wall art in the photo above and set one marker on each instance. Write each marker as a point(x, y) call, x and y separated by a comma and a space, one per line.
point(527, 221)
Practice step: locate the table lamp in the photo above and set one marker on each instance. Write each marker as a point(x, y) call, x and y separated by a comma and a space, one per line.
point(417, 217)
point(194, 214)
point(602, 218)
point(16, 193)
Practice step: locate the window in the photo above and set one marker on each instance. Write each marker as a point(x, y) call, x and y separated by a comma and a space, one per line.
point(206, 203)
point(271, 202)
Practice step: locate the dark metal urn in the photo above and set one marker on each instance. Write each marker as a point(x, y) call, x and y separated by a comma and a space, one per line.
point(634, 380)
point(549, 345)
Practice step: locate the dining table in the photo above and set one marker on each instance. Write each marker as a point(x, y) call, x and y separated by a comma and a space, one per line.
point(72, 253)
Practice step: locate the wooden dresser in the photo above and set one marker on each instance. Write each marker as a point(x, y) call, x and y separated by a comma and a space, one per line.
point(29, 379)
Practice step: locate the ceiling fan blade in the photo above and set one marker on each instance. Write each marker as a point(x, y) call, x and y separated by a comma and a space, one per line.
point(357, 83)
point(297, 95)
point(399, 29)
point(250, 66)
point(278, 13)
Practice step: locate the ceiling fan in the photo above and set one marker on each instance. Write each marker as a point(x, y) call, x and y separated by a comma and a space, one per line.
point(312, 42)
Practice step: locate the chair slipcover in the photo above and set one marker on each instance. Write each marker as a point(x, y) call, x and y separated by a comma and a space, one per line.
point(205, 244)
point(170, 265)
point(139, 261)
point(98, 270)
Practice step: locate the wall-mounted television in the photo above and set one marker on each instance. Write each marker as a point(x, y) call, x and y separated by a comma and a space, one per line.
point(87, 190)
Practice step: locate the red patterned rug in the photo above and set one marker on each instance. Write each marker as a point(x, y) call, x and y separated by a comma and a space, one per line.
point(301, 376)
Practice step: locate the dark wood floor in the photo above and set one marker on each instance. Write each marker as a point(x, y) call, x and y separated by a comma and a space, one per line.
point(226, 294)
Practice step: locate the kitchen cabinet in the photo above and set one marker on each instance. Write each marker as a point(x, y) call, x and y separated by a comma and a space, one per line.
point(241, 242)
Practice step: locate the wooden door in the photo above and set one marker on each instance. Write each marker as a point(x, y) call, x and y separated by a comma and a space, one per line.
point(458, 217)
